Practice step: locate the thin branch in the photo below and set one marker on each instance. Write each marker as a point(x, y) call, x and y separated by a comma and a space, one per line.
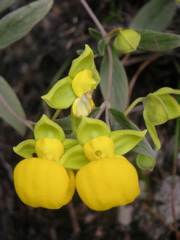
point(94, 18)
point(138, 72)
point(20, 119)
point(109, 83)
point(110, 70)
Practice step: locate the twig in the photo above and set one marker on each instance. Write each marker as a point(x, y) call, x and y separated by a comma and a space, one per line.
point(109, 51)
point(138, 72)
point(94, 18)
point(20, 119)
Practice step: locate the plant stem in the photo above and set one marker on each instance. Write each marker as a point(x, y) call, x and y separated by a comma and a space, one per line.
point(133, 104)
point(27, 123)
point(56, 114)
point(94, 18)
point(109, 51)
point(138, 72)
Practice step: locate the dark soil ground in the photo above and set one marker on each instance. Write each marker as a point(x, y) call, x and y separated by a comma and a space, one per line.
point(29, 67)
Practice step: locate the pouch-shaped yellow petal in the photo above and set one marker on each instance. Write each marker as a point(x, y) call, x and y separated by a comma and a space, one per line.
point(43, 183)
point(107, 183)
point(83, 83)
point(99, 147)
point(49, 148)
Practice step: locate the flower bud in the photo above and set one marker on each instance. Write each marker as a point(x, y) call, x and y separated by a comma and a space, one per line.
point(127, 41)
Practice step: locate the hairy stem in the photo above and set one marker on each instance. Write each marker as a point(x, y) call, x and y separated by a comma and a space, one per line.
point(14, 114)
point(109, 51)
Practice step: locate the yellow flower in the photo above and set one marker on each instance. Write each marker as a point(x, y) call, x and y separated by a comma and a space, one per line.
point(43, 183)
point(107, 183)
point(76, 89)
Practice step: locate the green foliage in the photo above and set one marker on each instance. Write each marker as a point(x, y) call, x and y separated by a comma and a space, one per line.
point(158, 41)
point(154, 15)
point(11, 109)
point(5, 4)
point(119, 87)
point(19, 23)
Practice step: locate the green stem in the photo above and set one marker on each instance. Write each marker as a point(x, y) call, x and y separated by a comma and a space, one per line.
point(56, 114)
point(27, 123)
point(133, 104)
point(109, 50)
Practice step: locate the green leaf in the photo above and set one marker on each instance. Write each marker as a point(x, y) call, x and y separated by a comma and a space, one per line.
point(90, 128)
point(66, 125)
point(19, 23)
point(26, 148)
point(119, 87)
point(119, 121)
point(154, 15)
point(126, 140)
point(145, 163)
point(6, 3)
point(157, 41)
point(74, 158)
point(10, 108)
point(101, 47)
point(46, 128)
point(95, 33)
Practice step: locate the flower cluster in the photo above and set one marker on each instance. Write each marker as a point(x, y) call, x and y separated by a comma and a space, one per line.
point(92, 160)
point(76, 89)
point(102, 177)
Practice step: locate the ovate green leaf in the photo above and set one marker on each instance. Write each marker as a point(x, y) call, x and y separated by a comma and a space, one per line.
point(157, 41)
point(119, 88)
point(154, 15)
point(10, 108)
point(5, 4)
point(18, 23)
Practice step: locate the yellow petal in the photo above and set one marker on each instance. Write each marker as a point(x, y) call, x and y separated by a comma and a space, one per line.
point(99, 147)
point(107, 183)
point(43, 183)
point(49, 148)
point(82, 106)
point(83, 83)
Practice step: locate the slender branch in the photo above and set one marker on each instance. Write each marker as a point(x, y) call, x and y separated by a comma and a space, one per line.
point(20, 119)
point(109, 83)
point(110, 70)
point(138, 72)
point(94, 18)
point(133, 104)
point(56, 114)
